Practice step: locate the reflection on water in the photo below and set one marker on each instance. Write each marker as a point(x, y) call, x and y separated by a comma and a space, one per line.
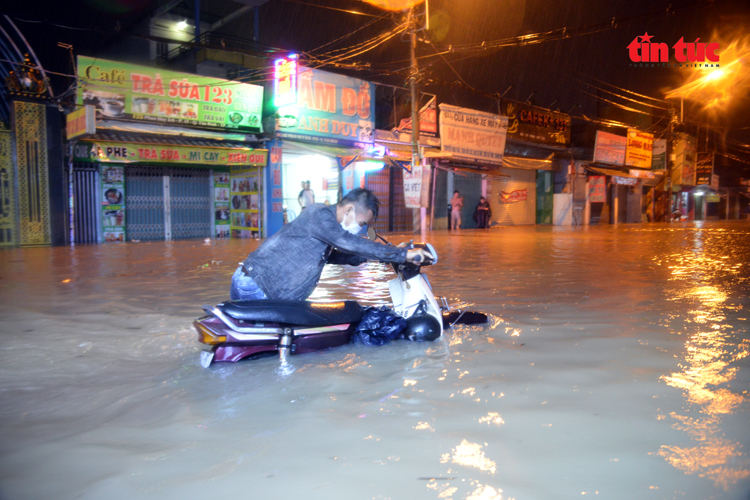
point(593, 333)
point(712, 349)
point(470, 455)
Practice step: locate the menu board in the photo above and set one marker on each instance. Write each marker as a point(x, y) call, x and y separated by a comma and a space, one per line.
point(113, 203)
point(245, 191)
point(221, 205)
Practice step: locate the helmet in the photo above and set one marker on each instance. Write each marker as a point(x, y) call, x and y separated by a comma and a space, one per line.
point(421, 327)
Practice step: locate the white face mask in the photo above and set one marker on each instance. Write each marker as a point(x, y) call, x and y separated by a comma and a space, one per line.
point(353, 228)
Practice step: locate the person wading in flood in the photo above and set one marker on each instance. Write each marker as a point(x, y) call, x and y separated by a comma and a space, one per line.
point(288, 265)
point(456, 202)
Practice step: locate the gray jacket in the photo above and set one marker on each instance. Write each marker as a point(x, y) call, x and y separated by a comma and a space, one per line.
point(288, 265)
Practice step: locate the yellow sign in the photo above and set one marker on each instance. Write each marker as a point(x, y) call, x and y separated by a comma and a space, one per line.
point(80, 122)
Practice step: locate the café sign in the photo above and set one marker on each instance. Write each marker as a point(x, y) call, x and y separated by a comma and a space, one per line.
point(532, 124)
point(141, 93)
point(122, 152)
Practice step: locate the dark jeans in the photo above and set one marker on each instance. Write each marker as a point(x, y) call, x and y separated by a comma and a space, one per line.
point(244, 287)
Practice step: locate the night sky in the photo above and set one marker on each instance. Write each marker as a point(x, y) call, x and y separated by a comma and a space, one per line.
point(558, 74)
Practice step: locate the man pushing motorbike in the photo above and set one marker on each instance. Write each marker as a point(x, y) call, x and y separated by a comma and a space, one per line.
point(288, 265)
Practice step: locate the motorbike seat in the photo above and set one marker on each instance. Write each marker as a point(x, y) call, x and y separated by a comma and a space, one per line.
point(293, 312)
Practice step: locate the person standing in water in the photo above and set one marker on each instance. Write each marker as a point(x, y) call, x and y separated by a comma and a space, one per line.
point(456, 202)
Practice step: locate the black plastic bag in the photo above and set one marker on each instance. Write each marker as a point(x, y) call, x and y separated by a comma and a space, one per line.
point(379, 326)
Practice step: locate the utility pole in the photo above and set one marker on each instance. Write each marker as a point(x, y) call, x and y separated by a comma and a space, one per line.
point(413, 75)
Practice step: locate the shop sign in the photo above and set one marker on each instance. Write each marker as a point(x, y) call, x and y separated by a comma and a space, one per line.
point(598, 189)
point(245, 190)
point(704, 167)
point(684, 150)
point(221, 205)
point(113, 203)
point(624, 181)
point(529, 123)
point(473, 134)
point(273, 204)
point(639, 149)
point(123, 152)
point(141, 93)
point(330, 109)
point(513, 196)
point(427, 120)
point(714, 181)
point(80, 122)
point(413, 187)
point(610, 148)
point(285, 80)
point(659, 155)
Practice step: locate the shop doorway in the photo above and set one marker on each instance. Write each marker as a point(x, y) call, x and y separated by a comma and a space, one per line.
point(167, 203)
point(544, 197)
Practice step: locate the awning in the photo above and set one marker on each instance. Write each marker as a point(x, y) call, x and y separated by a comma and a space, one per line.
point(650, 178)
point(163, 140)
point(107, 147)
point(308, 148)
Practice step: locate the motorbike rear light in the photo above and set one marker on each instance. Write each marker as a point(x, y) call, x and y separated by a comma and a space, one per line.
point(207, 336)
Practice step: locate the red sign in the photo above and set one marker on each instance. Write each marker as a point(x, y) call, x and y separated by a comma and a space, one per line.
point(598, 189)
point(513, 196)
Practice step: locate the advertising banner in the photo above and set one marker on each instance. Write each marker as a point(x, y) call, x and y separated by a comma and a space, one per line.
point(427, 120)
point(598, 189)
point(704, 168)
point(610, 148)
point(221, 205)
point(274, 205)
point(639, 149)
point(245, 191)
point(684, 150)
point(659, 155)
point(473, 134)
point(529, 123)
point(124, 152)
point(113, 203)
point(413, 187)
point(147, 94)
point(513, 196)
point(330, 109)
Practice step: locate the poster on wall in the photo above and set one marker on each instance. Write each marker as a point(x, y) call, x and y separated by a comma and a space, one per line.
point(148, 94)
point(113, 203)
point(610, 148)
point(597, 189)
point(413, 187)
point(221, 205)
point(244, 212)
point(639, 149)
point(659, 155)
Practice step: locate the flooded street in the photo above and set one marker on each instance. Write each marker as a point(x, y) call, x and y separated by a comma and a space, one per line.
point(615, 366)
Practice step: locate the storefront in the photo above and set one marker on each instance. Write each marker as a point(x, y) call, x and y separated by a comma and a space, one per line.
point(323, 123)
point(161, 155)
point(471, 156)
point(536, 137)
point(145, 191)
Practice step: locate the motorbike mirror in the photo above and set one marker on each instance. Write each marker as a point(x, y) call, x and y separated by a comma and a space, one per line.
point(372, 234)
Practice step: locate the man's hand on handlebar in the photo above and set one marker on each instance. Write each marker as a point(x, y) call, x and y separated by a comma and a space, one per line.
point(418, 256)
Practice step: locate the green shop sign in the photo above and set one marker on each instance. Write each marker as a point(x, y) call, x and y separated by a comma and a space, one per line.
point(123, 152)
point(141, 93)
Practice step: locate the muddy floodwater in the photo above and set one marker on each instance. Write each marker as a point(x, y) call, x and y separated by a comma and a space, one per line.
point(615, 366)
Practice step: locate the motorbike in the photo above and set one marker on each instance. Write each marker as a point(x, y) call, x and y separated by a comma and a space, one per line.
point(236, 330)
